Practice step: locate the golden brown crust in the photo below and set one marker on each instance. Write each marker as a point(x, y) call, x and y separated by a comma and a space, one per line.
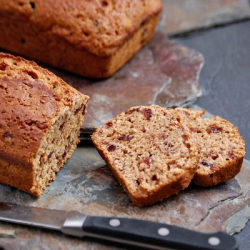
point(36, 106)
point(23, 128)
point(219, 175)
point(159, 194)
point(71, 35)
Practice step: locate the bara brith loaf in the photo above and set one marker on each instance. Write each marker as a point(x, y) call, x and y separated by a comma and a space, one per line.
point(40, 120)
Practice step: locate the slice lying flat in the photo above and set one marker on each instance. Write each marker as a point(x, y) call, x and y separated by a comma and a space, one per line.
point(150, 152)
point(222, 147)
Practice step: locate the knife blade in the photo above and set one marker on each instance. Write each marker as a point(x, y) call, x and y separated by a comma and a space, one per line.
point(86, 132)
point(133, 232)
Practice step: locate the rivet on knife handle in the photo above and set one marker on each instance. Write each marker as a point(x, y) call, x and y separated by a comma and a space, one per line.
point(153, 235)
point(134, 232)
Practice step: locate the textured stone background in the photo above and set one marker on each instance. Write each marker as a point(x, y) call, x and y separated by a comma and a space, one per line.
point(182, 16)
point(86, 183)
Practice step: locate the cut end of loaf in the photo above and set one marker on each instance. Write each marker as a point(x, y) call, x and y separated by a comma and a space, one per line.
point(57, 146)
point(39, 125)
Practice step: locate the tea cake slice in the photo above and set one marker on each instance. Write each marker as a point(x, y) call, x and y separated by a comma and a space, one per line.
point(150, 152)
point(222, 147)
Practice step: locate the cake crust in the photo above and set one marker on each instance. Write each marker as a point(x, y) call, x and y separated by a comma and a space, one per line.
point(37, 135)
point(90, 38)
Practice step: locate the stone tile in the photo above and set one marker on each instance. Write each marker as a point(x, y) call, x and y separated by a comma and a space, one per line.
point(180, 16)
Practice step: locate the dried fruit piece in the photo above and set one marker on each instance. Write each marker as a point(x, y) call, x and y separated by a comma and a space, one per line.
point(7, 135)
point(111, 148)
point(125, 137)
point(147, 113)
point(214, 129)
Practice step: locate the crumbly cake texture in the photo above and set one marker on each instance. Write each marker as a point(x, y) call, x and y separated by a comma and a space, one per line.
point(90, 38)
point(40, 122)
point(155, 152)
point(150, 152)
point(222, 147)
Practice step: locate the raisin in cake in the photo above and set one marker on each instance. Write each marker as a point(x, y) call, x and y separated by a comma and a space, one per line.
point(222, 147)
point(90, 38)
point(149, 151)
point(40, 122)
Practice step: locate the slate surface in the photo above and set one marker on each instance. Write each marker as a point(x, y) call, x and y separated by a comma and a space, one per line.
point(225, 83)
point(85, 184)
point(183, 16)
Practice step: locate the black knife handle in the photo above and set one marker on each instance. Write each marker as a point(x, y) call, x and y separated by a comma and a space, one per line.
point(154, 235)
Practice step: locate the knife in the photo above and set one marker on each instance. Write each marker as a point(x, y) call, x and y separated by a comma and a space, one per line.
point(133, 232)
point(86, 132)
